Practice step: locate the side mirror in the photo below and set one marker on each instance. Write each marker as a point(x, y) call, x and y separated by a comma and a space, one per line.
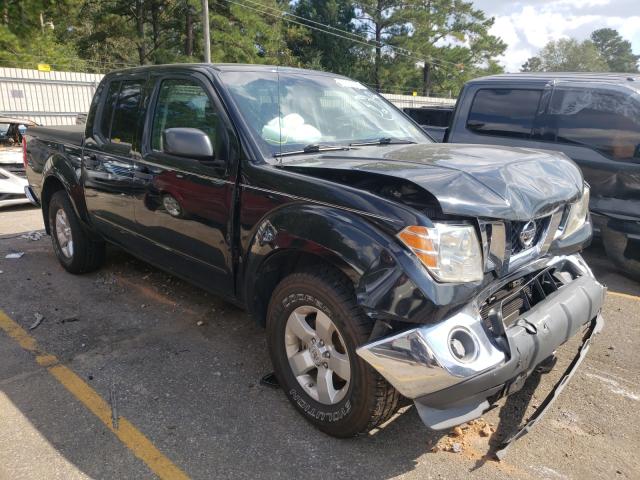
point(188, 142)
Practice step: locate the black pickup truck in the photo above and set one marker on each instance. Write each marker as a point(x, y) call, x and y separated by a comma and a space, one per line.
point(593, 118)
point(383, 265)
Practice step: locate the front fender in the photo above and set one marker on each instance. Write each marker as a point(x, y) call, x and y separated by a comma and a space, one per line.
point(362, 250)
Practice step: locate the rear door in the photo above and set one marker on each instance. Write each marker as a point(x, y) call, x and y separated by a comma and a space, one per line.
point(108, 165)
point(184, 206)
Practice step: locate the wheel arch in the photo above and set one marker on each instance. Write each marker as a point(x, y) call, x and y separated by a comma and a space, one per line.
point(299, 237)
point(58, 175)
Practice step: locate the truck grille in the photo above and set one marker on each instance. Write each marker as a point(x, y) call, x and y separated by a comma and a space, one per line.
point(516, 228)
point(518, 297)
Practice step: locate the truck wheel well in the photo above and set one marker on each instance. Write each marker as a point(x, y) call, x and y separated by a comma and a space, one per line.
point(51, 186)
point(277, 267)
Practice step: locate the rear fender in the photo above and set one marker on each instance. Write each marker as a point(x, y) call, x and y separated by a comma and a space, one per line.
point(58, 170)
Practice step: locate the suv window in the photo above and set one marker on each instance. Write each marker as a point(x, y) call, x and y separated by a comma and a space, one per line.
point(107, 110)
point(121, 111)
point(503, 111)
point(185, 103)
point(605, 120)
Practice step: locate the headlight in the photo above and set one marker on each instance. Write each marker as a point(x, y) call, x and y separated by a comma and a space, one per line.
point(451, 253)
point(577, 214)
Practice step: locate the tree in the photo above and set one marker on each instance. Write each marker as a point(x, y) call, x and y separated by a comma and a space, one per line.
point(248, 35)
point(383, 20)
point(453, 39)
point(533, 64)
point(318, 49)
point(34, 32)
point(567, 55)
point(615, 50)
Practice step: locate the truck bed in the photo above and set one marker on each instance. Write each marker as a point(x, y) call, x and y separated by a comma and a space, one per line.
point(67, 134)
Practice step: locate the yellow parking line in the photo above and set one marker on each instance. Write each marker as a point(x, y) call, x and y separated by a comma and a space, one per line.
point(624, 295)
point(128, 434)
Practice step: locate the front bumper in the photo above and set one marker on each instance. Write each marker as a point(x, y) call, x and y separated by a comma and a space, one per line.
point(422, 365)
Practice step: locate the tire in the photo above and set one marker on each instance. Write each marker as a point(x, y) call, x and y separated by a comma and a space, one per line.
point(81, 253)
point(619, 249)
point(366, 400)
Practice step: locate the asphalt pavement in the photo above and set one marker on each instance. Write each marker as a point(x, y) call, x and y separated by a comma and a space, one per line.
point(131, 373)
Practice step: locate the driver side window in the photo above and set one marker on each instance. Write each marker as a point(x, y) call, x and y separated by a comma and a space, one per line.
point(184, 103)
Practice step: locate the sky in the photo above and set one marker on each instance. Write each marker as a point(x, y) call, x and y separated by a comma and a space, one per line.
point(526, 26)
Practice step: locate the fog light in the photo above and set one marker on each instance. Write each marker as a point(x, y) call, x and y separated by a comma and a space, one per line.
point(462, 345)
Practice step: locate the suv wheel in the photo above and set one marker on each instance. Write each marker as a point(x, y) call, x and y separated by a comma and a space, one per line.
point(313, 330)
point(76, 250)
point(623, 252)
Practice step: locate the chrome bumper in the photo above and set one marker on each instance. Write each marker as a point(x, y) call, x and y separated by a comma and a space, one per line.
point(422, 361)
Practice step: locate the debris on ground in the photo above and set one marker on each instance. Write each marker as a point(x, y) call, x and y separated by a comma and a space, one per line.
point(69, 320)
point(33, 236)
point(14, 255)
point(39, 318)
point(465, 437)
point(200, 323)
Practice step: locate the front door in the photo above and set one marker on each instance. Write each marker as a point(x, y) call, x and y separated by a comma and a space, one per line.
point(184, 206)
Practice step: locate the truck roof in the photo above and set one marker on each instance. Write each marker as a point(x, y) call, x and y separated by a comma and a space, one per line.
point(222, 67)
point(632, 79)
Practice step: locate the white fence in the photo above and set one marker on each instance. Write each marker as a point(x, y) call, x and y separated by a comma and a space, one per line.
point(47, 98)
point(56, 98)
point(410, 101)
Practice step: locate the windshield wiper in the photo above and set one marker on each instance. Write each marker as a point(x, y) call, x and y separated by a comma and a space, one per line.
point(312, 148)
point(381, 141)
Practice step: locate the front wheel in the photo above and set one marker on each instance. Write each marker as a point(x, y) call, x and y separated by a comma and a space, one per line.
point(313, 329)
point(623, 251)
point(76, 249)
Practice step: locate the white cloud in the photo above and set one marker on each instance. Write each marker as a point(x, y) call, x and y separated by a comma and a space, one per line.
point(527, 26)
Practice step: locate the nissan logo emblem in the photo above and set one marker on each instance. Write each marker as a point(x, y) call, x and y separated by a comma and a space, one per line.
point(528, 234)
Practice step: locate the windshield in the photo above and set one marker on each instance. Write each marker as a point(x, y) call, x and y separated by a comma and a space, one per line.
point(289, 111)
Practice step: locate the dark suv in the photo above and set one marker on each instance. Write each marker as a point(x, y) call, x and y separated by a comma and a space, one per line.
point(593, 118)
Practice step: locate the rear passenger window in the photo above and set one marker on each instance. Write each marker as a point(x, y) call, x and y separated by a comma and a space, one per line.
point(504, 112)
point(126, 112)
point(107, 110)
point(121, 111)
point(605, 120)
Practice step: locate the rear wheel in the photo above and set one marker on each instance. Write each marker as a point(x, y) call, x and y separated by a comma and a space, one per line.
point(314, 328)
point(76, 249)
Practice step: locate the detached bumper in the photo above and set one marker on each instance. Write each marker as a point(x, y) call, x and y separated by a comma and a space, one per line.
point(449, 388)
point(31, 196)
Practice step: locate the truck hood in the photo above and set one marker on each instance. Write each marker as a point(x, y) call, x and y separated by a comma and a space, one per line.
point(467, 180)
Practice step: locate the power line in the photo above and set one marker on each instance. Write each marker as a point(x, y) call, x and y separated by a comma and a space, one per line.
point(331, 27)
point(400, 51)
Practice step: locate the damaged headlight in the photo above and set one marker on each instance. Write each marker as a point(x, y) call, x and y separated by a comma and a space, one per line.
point(578, 212)
point(451, 253)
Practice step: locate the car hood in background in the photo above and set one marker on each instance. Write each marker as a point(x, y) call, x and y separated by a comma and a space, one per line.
point(467, 180)
point(11, 189)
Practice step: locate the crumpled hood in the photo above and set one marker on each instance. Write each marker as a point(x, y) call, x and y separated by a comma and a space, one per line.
point(468, 180)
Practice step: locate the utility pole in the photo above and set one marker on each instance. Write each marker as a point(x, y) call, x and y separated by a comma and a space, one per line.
point(207, 36)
